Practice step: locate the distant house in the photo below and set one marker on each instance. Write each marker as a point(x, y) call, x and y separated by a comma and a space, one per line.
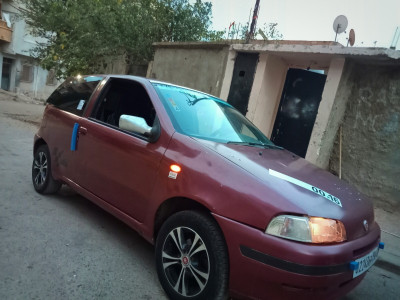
point(19, 72)
point(338, 107)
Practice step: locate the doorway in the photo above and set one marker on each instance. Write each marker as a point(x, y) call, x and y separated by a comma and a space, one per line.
point(242, 81)
point(6, 73)
point(298, 110)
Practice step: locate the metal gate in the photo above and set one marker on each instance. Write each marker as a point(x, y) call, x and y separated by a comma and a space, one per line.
point(297, 110)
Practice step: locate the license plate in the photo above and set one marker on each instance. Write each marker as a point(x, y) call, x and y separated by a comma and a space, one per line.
point(366, 262)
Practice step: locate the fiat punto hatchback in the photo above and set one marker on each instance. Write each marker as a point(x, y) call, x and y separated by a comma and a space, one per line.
point(229, 212)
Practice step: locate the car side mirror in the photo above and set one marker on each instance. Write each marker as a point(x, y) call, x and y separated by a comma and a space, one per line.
point(134, 124)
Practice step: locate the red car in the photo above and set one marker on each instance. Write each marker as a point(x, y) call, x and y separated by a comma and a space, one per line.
point(229, 212)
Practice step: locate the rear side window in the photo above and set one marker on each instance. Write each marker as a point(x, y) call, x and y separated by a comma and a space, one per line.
point(74, 93)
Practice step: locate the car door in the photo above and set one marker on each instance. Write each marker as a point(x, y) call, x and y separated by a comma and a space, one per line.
point(119, 166)
point(65, 108)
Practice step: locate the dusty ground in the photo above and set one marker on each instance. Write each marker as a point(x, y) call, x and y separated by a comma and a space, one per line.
point(64, 247)
point(20, 107)
point(60, 246)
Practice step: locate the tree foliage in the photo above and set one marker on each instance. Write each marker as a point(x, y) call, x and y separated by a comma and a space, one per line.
point(79, 35)
point(268, 31)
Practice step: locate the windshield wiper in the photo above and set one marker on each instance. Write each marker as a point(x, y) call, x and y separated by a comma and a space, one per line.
point(260, 144)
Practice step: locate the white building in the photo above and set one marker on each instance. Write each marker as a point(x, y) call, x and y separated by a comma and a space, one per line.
point(19, 72)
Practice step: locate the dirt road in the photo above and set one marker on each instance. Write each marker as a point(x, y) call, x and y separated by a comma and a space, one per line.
point(63, 246)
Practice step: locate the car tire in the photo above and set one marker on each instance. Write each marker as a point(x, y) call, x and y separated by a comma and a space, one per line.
point(42, 179)
point(194, 266)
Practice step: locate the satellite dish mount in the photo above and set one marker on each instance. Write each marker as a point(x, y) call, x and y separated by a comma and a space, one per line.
point(339, 25)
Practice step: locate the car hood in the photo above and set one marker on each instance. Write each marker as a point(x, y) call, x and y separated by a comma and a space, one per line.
point(314, 191)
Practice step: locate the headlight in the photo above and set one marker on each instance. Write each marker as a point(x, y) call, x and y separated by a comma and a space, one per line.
point(307, 229)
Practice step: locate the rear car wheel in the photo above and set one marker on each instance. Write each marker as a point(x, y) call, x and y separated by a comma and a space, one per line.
point(191, 257)
point(42, 178)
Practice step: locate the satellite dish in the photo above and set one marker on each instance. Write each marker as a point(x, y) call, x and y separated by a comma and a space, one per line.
point(339, 25)
point(352, 37)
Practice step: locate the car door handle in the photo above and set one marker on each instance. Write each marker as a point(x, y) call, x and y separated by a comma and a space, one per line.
point(82, 130)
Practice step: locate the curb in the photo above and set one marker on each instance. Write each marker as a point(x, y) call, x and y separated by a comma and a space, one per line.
point(388, 266)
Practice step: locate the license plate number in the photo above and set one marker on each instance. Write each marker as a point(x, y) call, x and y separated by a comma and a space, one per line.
point(366, 262)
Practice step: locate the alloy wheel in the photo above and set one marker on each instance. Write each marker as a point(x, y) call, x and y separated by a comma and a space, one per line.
point(185, 261)
point(40, 169)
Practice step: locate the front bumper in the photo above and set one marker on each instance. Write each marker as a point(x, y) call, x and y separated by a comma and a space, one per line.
point(268, 267)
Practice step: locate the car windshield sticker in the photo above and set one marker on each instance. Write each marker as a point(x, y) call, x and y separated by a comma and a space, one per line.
point(306, 186)
point(80, 105)
point(176, 107)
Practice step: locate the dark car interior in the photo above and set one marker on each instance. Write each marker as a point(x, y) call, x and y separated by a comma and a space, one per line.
point(124, 97)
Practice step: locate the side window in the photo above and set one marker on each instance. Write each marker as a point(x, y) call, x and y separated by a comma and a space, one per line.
point(124, 97)
point(73, 94)
point(27, 73)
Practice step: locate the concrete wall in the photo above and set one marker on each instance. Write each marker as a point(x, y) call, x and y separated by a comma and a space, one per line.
point(22, 42)
point(38, 88)
point(371, 132)
point(199, 68)
point(119, 65)
point(138, 70)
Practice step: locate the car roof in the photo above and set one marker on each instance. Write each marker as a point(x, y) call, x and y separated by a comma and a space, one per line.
point(150, 80)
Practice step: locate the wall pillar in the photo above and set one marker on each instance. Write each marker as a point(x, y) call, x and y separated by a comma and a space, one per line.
point(257, 85)
point(329, 117)
point(270, 94)
point(227, 79)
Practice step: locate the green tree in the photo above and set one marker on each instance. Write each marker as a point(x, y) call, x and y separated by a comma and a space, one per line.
point(80, 35)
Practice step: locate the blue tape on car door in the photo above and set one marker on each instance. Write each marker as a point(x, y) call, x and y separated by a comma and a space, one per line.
point(306, 186)
point(74, 136)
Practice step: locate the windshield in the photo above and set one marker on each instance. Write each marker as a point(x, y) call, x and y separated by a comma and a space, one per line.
point(206, 117)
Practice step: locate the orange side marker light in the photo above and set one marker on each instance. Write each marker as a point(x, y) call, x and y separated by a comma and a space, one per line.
point(175, 168)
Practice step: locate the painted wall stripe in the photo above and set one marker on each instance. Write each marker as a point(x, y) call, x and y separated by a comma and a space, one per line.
point(307, 186)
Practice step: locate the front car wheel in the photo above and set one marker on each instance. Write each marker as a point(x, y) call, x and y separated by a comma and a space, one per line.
point(191, 257)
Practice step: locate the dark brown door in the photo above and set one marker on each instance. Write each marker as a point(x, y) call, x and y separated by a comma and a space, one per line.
point(297, 110)
point(242, 81)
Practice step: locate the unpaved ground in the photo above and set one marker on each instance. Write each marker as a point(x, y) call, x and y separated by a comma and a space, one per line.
point(61, 246)
point(19, 107)
point(64, 247)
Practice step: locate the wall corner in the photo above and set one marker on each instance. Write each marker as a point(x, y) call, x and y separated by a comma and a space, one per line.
point(328, 119)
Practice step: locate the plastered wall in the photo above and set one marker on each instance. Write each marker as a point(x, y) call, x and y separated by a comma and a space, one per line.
point(371, 133)
point(38, 88)
point(201, 69)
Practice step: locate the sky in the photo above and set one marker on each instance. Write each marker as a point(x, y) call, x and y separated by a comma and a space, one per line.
point(374, 21)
